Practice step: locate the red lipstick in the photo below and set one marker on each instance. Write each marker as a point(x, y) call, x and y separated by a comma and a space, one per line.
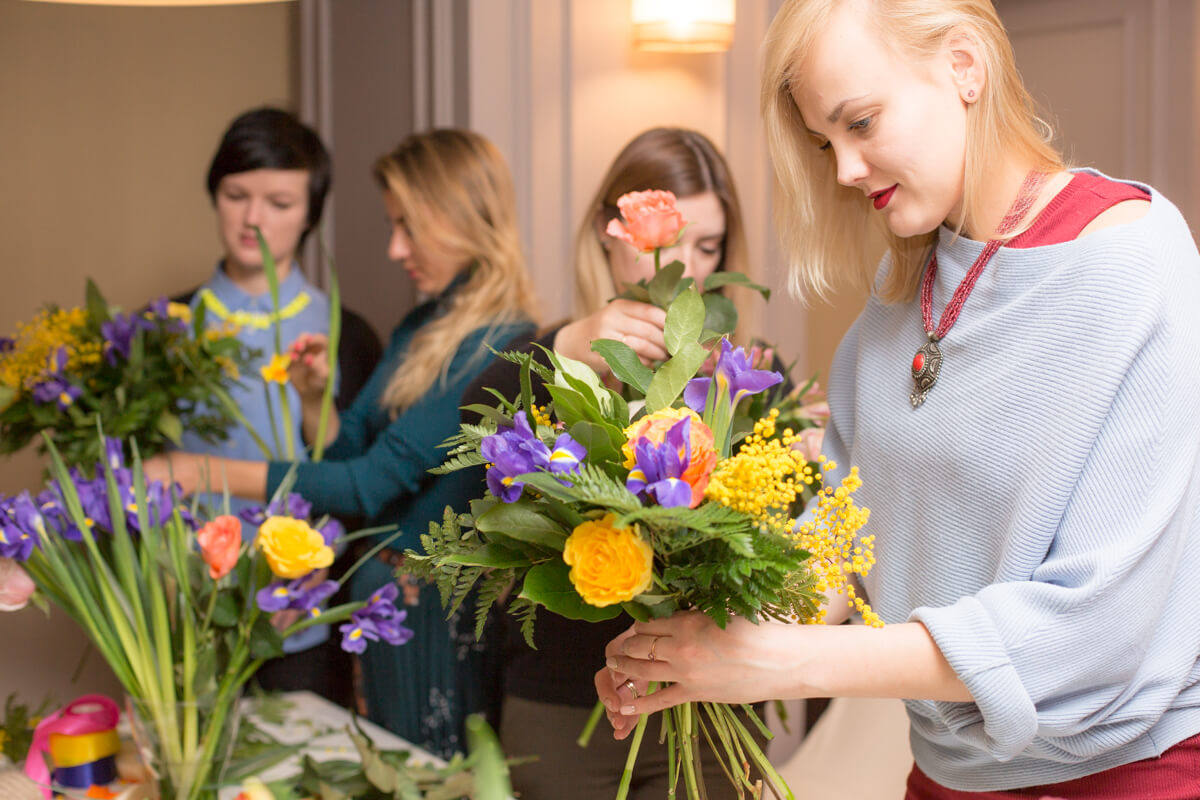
point(883, 196)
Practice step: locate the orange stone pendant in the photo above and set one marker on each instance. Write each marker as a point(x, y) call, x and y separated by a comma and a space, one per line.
point(926, 365)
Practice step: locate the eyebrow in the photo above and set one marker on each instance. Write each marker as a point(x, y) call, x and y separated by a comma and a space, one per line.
point(837, 110)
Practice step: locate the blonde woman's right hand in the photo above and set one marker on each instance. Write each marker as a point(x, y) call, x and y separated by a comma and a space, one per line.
point(309, 370)
point(638, 325)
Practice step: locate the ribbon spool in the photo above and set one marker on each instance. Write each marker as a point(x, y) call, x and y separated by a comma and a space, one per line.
point(81, 742)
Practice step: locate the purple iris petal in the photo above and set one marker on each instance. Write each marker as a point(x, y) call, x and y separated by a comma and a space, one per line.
point(511, 452)
point(391, 631)
point(378, 619)
point(7, 344)
point(273, 597)
point(15, 542)
point(735, 370)
point(332, 530)
point(118, 335)
point(567, 454)
point(355, 634)
point(658, 469)
point(254, 515)
point(114, 453)
point(56, 390)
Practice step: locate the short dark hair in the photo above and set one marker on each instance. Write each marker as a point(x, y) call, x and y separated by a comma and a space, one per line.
point(270, 138)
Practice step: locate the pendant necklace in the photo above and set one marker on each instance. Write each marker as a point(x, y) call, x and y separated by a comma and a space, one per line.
point(927, 363)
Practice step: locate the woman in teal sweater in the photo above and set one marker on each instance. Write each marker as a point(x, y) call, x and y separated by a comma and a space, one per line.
point(450, 200)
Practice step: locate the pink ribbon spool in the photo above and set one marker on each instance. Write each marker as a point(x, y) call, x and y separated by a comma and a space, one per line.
point(92, 713)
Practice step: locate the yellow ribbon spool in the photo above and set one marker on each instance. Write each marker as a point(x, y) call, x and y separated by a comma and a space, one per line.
point(71, 751)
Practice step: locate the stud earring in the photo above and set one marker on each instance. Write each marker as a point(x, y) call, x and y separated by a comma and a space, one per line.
point(970, 94)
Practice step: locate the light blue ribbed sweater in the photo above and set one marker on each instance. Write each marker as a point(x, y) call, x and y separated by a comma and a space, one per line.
point(1040, 513)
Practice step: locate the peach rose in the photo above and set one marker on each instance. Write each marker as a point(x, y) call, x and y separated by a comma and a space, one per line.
point(651, 220)
point(16, 586)
point(220, 542)
point(608, 565)
point(653, 428)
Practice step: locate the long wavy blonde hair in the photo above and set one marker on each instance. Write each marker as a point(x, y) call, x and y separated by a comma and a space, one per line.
point(824, 226)
point(457, 196)
point(671, 159)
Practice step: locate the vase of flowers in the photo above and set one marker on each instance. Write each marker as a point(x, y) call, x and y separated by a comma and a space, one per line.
point(180, 608)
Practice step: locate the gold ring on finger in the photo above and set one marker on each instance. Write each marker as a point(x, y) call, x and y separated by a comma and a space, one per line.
point(632, 689)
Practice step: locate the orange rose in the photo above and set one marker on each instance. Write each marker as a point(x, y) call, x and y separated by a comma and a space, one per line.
point(220, 542)
point(653, 428)
point(651, 220)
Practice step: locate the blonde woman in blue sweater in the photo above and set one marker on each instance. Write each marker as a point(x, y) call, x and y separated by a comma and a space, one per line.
point(1019, 395)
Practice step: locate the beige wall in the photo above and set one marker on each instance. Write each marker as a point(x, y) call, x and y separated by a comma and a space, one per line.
point(109, 117)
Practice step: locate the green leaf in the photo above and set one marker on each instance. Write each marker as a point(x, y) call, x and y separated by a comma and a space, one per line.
point(492, 555)
point(685, 321)
point(720, 314)
point(491, 770)
point(663, 286)
point(673, 375)
point(7, 395)
point(549, 585)
point(522, 521)
point(97, 306)
point(624, 363)
point(719, 279)
point(225, 610)
point(170, 426)
point(265, 641)
point(597, 440)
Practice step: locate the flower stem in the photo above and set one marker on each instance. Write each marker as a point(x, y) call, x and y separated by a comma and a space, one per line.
point(585, 736)
point(634, 745)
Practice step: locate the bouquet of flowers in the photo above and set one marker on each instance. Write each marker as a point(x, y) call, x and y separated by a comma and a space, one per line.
point(146, 376)
point(181, 609)
point(597, 507)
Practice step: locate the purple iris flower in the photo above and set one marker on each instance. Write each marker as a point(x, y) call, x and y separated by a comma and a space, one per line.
point(15, 541)
point(114, 454)
point(735, 371)
point(511, 452)
point(293, 505)
point(57, 518)
point(56, 390)
point(567, 454)
point(658, 469)
point(378, 619)
point(7, 344)
point(118, 335)
point(279, 595)
point(332, 530)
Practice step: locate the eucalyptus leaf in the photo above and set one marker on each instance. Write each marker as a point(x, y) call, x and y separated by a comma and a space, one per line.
point(624, 363)
point(597, 440)
point(169, 425)
point(549, 584)
point(673, 375)
point(583, 379)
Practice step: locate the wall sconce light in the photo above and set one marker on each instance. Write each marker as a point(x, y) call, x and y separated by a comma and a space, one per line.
point(683, 26)
point(163, 3)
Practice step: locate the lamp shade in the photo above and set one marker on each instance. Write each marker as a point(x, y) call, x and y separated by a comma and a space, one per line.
point(683, 26)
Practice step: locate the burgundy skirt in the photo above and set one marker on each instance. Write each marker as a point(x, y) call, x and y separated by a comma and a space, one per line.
point(1175, 775)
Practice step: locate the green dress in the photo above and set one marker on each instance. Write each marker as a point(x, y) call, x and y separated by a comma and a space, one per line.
point(378, 469)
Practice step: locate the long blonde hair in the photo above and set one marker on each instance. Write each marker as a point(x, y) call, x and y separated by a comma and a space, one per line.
point(457, 196)
point(825, 226)
point(671, 159)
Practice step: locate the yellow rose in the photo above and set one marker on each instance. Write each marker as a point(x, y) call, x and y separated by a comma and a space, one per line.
point(608, 565)
point(292, 548)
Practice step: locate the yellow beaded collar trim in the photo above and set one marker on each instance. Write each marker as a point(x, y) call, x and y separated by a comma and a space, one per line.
point(260, 320)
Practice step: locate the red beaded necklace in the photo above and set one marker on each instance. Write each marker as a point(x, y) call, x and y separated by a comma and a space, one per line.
point(927, 363)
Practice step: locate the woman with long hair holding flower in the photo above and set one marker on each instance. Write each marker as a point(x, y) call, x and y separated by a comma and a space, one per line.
point(450, 201)
point(548, 692)
point(1019, 395)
